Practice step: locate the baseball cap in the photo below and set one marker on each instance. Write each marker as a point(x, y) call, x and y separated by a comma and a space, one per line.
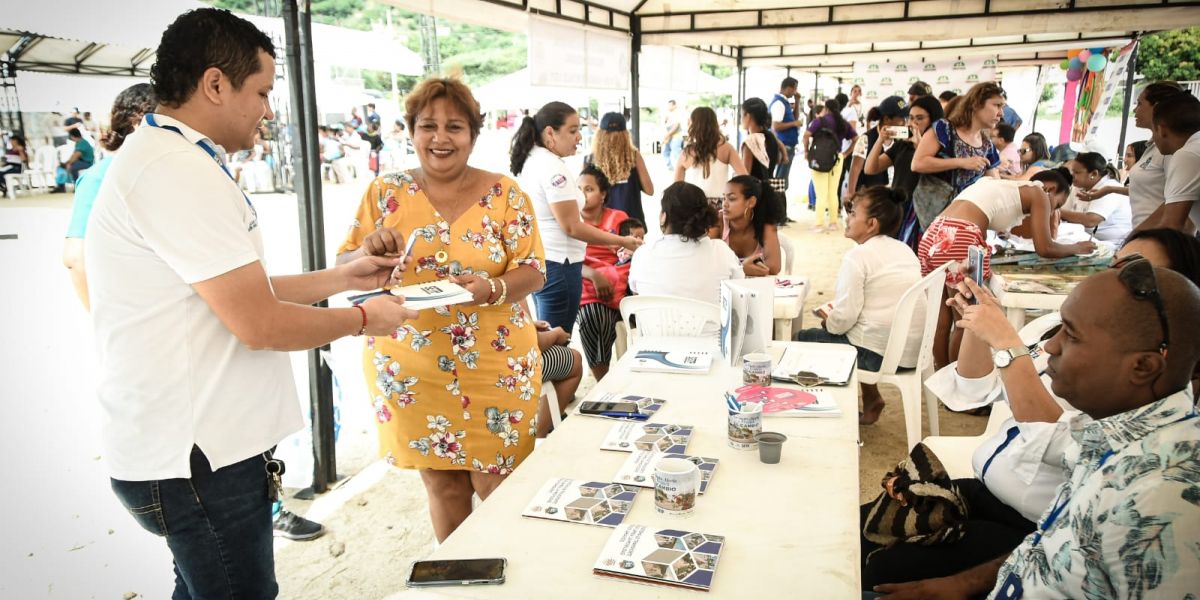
point(893, 106)
point(920, 88)
point(612, 122)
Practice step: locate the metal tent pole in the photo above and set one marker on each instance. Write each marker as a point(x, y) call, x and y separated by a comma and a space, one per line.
point(301, 82)
point(635, 80)
point(1131, 67)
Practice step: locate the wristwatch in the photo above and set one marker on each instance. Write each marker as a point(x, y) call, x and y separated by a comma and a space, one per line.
point(1005, 357)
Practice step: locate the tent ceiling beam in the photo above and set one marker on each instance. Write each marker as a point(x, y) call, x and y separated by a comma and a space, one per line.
point(780, 56)
point(23, 45)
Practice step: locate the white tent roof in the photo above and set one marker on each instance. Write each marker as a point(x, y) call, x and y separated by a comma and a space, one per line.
point(113, 37)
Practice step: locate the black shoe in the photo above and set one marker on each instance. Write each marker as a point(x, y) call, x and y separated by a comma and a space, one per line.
point(294, 527)
point(61, 189)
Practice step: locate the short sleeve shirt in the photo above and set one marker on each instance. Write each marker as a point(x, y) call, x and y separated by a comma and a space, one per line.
point(86, 190)
point(1146, 181)
point(953, 146)
point(1182, 183)
point(85, 150)
point(547, 180)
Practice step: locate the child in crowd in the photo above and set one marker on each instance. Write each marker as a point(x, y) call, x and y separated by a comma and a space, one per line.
point(605, 274)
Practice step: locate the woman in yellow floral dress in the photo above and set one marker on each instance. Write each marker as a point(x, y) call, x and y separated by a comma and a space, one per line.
point(456, 390)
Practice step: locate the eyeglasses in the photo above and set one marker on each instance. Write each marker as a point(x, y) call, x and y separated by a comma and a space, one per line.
point(1138, 276)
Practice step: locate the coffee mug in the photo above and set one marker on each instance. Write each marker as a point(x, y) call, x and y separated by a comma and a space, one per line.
point(744, 425)
point(756, 369)
point(676, 485)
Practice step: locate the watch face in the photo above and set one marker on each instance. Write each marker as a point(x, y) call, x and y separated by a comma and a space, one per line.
point(1002, 358)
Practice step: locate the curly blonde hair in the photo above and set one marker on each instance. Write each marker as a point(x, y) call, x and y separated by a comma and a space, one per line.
point(613, 153)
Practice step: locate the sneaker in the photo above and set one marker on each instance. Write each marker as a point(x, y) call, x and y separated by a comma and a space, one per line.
point(294, 527)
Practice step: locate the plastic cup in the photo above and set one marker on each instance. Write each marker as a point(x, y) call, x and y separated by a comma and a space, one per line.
point(744, 425)
point(770, 445)
point(756, 369)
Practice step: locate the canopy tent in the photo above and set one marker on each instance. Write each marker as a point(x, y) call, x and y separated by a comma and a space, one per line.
point(103, 37)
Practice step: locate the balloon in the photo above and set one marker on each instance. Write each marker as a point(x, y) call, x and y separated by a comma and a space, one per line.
point(1075, 63)
point(1097, 50)
point(1096, 63)
point(1074, 74)
point(1072, 53)
point(1083, 55)
point(1066, 64)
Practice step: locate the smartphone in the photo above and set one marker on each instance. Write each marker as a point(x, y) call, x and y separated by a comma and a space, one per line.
point(471, 571)
point(596, 408)
point(899, 132)
point(975, 267)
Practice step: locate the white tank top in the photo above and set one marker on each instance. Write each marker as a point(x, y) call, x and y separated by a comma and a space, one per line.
point(714, 184)
point(999, 199)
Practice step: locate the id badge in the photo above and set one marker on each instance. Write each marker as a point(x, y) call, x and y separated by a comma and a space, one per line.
point(1011, 589)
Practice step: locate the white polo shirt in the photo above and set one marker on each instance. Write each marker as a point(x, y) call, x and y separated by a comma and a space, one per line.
point(547, 180)
point(1146, 180)
point(170, 373)
point(1113, 208)
point(1183, 177)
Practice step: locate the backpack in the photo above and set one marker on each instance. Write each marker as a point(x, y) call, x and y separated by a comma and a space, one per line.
point(823, 150)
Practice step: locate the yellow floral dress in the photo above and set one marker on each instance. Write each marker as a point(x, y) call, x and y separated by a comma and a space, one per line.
point(458, 387)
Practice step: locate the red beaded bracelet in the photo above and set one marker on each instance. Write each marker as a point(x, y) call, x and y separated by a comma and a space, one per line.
point(363, 329)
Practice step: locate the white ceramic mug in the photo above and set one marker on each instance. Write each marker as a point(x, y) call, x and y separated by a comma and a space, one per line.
point(744, 425)
point(756, 368)
point(676, 485)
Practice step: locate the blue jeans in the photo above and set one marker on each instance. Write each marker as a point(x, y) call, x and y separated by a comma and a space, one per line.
point(867, 360)
point(558, 301)
point(217, 525)
point(672, 150)
point(783, 169)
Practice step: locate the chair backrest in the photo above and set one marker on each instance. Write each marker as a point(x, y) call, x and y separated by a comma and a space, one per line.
point(789, 254)
point(668, 316)
point(921, 301)
point(45, 158)
point(1040, 325)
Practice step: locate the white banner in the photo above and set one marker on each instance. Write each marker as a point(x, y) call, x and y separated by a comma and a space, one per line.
point(882, 79)
point(572, 56)
point(669, 68)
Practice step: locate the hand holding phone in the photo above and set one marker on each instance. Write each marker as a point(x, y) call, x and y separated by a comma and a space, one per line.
point(975, 269)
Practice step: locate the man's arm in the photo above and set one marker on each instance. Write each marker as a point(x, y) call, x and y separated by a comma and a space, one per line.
point(967, 584)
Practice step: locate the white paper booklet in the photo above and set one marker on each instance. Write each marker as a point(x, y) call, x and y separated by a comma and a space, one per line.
point(639, 468)
point(656, 437)
point(435, 293)
point(578, 501)
point(661, 556)
point(747, 313)
point(654, 360)
point(832, 363)
point(646, 405)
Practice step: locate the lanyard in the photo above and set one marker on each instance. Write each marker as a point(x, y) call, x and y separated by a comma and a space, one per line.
point(151, 121)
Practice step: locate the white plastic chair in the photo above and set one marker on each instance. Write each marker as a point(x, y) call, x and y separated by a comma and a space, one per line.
point(666, 316)
point(956, 451)
point(789, 254)
point(911, 381)
point(549, 395)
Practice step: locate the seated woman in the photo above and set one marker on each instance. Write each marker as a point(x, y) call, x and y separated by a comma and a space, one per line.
point(749, 213)
point(997, 205)
point(605, 274)
point(1108, 216)
point(684, 262)
point(1019, 469)
point(1035, 157)
point(874, 275)
point(562, 367)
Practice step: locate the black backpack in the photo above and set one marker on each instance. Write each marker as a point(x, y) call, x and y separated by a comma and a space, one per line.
point(823, 150)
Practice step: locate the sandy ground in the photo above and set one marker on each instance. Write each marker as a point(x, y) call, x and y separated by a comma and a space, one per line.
point(67, 537)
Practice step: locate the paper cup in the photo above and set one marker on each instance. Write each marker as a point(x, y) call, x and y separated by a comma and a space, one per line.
point(770, 445)
point(676, 485)
point(756, 369)
point(744, 425)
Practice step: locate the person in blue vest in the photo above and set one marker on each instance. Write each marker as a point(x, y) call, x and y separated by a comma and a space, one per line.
point(786, 121)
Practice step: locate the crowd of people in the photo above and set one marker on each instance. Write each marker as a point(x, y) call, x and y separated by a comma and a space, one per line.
point(1093, 462)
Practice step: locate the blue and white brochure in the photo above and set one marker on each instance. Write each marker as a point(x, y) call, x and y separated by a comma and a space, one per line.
point(420, 296)
point(652, 360)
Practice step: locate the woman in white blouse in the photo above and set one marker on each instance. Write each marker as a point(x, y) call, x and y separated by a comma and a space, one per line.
point(874, 275)
point(684, 262)
point(538, 148)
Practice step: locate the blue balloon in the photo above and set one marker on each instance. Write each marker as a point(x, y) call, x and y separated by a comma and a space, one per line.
point(1075, 64)
point(1096, 63)
point(1097, 50)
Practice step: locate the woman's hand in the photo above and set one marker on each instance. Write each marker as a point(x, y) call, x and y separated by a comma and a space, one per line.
point(973, 163)
point(755, 267)
point(372, 272)
point(631, 243)
point(604, 287)
point(385, 314)
point(384, 241)
point(541, 325)
point(477, 285)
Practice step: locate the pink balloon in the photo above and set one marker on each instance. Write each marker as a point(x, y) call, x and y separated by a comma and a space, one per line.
point(1083, 55)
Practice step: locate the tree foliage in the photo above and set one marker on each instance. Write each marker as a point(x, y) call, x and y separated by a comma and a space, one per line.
point(1170, 55)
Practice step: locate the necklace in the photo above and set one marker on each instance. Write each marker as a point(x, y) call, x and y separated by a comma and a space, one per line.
point(452, 205)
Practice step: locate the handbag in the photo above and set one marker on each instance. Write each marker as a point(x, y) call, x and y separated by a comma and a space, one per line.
point(778, 184)
point(931, 196)
point(932, 511)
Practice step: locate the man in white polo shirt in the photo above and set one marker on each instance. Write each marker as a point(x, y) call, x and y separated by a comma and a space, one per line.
point(1177, 134)
point(194, 389)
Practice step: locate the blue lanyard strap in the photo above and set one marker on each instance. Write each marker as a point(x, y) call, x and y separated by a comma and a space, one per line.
point(1062, 505)
point(151, 121)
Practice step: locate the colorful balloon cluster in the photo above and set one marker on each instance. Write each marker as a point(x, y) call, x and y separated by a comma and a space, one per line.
point(1078, 61)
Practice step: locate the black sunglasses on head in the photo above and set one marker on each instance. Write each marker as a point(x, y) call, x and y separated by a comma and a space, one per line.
point(1137, 274)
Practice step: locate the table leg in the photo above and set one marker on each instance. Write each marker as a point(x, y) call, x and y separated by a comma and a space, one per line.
point(783, 330)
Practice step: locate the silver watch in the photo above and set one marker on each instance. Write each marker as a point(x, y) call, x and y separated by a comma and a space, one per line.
point(1005, 357)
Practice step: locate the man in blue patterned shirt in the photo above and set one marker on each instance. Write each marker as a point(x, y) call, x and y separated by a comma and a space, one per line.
point(1126, 524)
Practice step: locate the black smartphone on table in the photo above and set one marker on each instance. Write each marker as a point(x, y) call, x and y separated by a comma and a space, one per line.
point(598, 408)
point(469, 571)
